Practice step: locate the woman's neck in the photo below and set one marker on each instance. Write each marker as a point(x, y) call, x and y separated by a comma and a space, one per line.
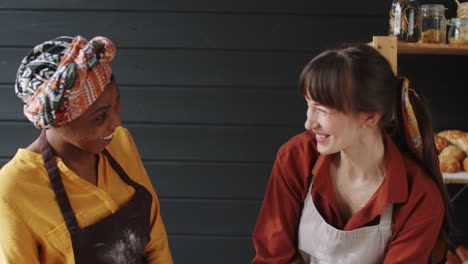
point(68, 152)
point(82, 163)
point(364, 160)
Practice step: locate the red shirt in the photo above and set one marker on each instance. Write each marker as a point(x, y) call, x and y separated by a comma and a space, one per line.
point(417, 215)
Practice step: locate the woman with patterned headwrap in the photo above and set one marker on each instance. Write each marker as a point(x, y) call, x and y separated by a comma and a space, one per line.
point(80, 192)
point(363, 184)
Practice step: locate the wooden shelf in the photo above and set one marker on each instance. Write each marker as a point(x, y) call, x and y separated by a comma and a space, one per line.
point(426, 48)
point(390, 48)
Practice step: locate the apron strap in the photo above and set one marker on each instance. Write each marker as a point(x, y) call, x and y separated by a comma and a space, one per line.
point(386, 217)
point(57, 184)
point(123, 175)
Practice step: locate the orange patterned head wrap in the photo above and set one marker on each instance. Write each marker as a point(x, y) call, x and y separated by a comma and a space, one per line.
point(61, 78)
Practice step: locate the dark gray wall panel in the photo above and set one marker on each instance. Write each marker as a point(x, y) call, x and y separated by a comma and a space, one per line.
point(192, 105)
point(205, 143)
point(212, 105)
point(279, 70)
point(443, 80)
point(211, 249)
point(170, 142)
point(11, 105)
point(263, 6)
point(209, 180)
point(16, 135)
point(185, 30)
point(209, 217)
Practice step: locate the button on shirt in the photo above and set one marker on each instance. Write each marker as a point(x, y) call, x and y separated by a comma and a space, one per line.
point(418, 206)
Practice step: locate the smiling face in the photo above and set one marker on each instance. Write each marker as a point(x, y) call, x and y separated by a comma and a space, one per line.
point(334, 130)
point(93, 130)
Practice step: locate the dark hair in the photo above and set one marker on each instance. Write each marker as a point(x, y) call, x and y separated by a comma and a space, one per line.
point(356, 78)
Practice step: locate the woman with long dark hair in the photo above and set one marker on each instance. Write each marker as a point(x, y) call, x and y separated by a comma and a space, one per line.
point(363, 184)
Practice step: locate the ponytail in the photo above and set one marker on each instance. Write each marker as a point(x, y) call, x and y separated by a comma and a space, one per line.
point(414, 136)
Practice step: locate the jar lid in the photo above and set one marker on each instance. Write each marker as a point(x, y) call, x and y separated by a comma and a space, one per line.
point(458, 21)
point(433, 8)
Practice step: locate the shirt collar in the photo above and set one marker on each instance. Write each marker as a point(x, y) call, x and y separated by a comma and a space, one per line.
point(394, 188)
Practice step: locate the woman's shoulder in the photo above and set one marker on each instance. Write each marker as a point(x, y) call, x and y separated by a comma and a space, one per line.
point(418, 178)
point(122, 146)
point(122, 139)
point(121, 132)
point(24, 170)
point(24, 163)
point(124, 150)
point(298, 156)
point(422, 189)
point(301, 143)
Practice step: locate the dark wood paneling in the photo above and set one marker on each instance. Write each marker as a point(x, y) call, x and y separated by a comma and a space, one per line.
point(10, 62)
point(11, 105)
point(204, 143)
point(209, 217)
point(209, 180)
point(169, 142)
point(443, 80)
point(190, 67)
point(213, 106)
point(193, 105)
point(191, 30)
point(211, 250)
point(16, 135)
point(263, 6)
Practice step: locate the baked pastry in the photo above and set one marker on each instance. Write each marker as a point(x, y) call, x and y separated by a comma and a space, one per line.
point(456, 137)
point(453, 156)
point(452, 151)
point(441, 143)
point(449, 164)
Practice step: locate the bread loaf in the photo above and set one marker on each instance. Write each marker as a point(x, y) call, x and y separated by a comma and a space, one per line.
point(449, 164)
point(452, 151)
point(441, 143)
point(452, 146)
point(456, 137)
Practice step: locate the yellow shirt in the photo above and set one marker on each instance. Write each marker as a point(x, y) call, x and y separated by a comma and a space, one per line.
point(32, 228)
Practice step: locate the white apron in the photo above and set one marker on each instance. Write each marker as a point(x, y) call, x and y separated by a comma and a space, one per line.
point(321, 243)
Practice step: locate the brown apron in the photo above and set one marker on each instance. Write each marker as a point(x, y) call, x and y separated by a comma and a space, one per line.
point(116, 239)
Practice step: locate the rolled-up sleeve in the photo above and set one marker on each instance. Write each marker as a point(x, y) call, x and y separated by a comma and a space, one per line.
point(275, 234)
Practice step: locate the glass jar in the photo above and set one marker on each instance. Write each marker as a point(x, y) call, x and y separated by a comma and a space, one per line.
point(458, 32)
point(434, 24)
point(405, 20)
